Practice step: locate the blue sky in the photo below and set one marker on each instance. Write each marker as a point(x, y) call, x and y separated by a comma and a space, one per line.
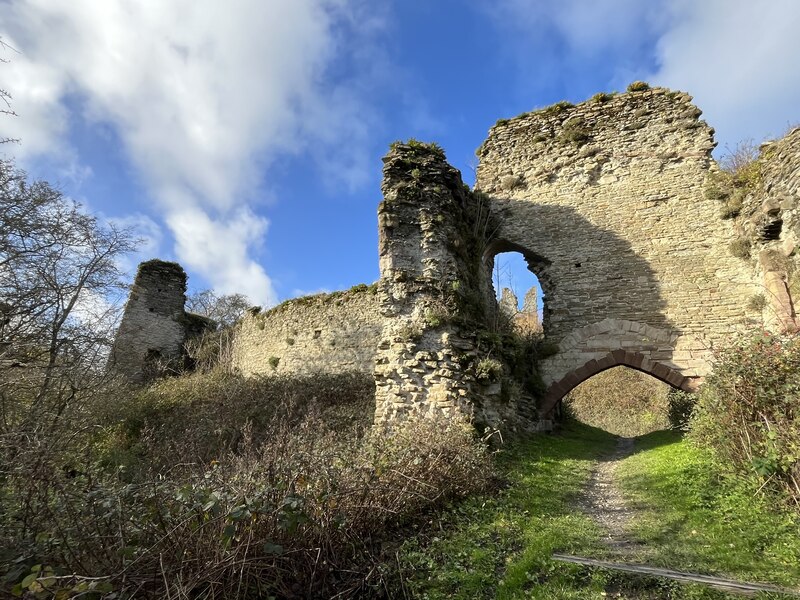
point(243, 139)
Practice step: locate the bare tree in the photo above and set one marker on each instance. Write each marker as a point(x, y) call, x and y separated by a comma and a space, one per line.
point(5, 96)
point(224, 310)
point(58, 271)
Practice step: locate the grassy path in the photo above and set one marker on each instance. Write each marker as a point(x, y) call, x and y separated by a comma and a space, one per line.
point(683, 517)
point(602, 499)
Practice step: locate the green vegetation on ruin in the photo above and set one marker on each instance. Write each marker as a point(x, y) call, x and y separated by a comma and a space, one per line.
point(420, 147)
point(317, 299)
point(739, 177)
point(638, 86)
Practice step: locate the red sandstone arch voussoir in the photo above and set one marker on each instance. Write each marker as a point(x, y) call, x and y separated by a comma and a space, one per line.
point(556, 392)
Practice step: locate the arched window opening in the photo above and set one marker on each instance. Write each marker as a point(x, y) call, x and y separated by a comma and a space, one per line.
point(520, 300)
point(623, 401)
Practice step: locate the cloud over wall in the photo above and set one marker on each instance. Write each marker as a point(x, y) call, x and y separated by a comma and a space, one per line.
point(202, 95)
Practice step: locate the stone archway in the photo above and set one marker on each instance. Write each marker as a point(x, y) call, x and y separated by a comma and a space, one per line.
point(617, 358)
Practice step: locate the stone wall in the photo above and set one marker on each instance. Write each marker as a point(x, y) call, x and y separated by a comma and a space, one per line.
point(612, 204)
point(330, 333)
point(769, 226)
point(606, 202)
point(154, 326)
point(433, 355)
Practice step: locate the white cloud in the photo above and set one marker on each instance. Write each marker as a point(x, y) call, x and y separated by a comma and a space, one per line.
point(202, 94)
point(738, 59)
point(585, 26)
point(561, 46)
point(148, 234)
point(220, 248)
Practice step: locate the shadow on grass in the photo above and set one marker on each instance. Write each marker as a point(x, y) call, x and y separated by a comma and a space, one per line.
point(595, 440)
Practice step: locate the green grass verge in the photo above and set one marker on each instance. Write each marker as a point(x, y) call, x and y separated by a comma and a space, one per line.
point(499, 546)
point(695, 519)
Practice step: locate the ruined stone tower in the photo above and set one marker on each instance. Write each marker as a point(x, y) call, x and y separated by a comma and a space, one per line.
point(154, 326)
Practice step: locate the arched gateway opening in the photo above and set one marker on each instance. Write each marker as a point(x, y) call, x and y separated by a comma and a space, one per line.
point(517, 275)
point(518, 292)
point(624, 402)
point(635, 360)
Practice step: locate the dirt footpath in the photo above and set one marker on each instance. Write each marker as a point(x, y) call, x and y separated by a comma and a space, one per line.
point(602, 500)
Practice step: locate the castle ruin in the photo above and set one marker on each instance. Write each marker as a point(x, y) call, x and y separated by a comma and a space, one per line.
point(644, 255)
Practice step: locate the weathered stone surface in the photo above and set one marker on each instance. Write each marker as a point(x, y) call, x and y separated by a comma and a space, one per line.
point(431, 243)
point(615, 224)
point(770, 222)
point(606, 201)
point(154, 326)
point(331, 333)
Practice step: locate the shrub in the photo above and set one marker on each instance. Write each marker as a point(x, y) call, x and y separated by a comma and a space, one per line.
point(638, 86)
point(545, 348)
point(739, 176)
point(557, 108)
point(488, 370)
point(733, 205)
point(274, 361)
point(740, 248)
point(681, 406)
point(409, 331)
point(420, 147)
point(302, 513)
point(748, 410)
point(212, 350)
point(601, 97)
point(756, 302)
point(575, 132)
point(437, 315)
point(197, 418)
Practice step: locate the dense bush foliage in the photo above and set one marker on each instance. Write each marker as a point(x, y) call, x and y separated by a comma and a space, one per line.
point(212, 486)
point(748, 410)
point(622, 401)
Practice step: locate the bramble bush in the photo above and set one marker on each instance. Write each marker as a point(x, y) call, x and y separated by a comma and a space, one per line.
point(198, 417)
point(748, 409)
point(303, 505)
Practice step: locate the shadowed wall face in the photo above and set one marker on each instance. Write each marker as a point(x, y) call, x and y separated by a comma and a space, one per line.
point(607, 203)
point(154, 325)
point(606, 200)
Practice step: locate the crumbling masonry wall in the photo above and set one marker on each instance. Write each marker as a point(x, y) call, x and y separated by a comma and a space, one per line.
point(611, 202)
point(606, 201)
point(431, 357)
point(331, 333)
point(768, 227)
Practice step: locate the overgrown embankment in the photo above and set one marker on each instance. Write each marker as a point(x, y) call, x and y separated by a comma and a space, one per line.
point(214, 486)
point(622, 401)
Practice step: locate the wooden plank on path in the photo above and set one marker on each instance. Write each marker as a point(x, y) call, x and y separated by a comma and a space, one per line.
point(717, 582)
